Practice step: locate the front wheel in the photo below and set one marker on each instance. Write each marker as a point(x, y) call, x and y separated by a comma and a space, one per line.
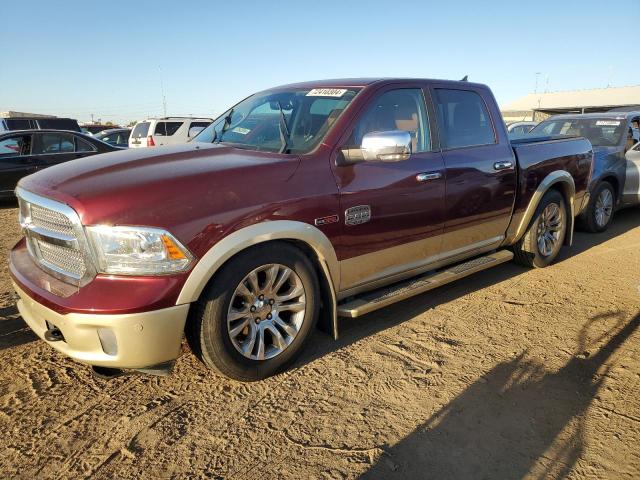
point(542, 242)
point(256, 315)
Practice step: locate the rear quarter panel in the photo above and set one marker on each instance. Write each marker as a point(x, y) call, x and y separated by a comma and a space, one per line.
point(539, 159)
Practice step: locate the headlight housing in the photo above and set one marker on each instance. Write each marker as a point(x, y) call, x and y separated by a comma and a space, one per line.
point(137, 251)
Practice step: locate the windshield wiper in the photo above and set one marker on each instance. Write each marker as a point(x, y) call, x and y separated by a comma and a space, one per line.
point(225, 126)
point(284, 131)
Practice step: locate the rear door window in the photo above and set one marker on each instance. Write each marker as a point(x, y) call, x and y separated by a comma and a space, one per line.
point(167, 129)
point(55, 143)
point(83, 146)
point(140, 130)
point(463, 119)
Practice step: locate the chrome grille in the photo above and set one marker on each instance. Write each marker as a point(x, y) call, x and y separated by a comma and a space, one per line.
point(51, 220)
point(55, 238)
point(62, 258)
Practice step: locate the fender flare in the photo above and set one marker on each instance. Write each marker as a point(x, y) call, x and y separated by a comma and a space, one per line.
point(258, 233)
point(521, 221)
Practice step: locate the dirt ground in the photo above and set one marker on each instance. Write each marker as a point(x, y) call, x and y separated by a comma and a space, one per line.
point(511, 373)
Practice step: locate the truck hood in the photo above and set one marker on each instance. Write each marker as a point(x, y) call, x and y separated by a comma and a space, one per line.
point(162, 186)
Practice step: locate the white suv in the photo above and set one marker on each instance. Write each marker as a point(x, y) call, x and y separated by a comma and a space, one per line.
point(166, 131)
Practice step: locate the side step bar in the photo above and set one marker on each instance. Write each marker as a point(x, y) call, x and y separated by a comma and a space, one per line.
point(370, 301)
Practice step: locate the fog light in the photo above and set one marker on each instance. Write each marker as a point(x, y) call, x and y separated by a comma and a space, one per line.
point(108, 341)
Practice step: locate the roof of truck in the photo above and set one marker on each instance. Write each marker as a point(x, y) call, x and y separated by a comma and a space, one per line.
point(363, 82)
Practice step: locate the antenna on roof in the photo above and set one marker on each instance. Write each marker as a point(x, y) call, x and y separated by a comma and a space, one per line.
point(465, 78)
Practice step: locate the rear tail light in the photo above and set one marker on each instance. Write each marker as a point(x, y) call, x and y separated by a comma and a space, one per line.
point(150, 142)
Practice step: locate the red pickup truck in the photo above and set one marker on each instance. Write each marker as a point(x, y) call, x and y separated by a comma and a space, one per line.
point(299, 205)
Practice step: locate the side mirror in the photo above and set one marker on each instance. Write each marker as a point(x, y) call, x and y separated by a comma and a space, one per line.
point(389, 146)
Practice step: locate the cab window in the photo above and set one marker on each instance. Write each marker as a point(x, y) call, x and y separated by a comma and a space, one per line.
point(463, 119)
point(401, 109)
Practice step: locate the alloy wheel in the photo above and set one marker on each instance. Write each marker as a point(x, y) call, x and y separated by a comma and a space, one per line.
point(266, 312)
point(549, 229)
point(603, 208)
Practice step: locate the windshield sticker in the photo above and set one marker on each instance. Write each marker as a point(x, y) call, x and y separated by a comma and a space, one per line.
point(327, 92)
point(241, 130)
point(608, 123)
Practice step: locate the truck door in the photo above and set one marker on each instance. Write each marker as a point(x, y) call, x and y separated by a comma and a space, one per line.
point(392, 213)
point(480, 169)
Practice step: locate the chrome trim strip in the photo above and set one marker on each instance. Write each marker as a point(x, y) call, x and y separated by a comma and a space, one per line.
point(52, 237)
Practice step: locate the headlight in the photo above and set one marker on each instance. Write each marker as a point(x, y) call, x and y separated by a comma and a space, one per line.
point(137, 250)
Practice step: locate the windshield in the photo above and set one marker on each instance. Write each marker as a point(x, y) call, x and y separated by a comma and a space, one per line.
point(601, 132)
point(289, 121)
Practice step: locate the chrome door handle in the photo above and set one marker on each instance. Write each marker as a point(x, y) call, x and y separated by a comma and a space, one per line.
point(425, 177)
point(502, 165)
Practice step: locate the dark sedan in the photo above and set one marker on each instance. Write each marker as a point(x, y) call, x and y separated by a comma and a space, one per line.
point(26, 151)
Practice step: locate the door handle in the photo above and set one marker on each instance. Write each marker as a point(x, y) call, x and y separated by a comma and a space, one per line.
point(425, 176)
point(502, 165)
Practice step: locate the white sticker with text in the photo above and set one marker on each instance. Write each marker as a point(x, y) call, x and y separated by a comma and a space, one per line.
point(608, 123)
point(327, 92)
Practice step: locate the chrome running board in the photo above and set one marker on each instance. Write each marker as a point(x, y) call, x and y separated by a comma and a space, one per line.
point(382, 297)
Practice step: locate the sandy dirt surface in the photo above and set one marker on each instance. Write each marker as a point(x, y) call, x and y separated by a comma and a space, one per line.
point(511, 373)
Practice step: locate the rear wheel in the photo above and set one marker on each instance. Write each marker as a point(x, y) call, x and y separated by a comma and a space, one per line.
point(257, 314)
point(601, 208)
point(543, 240)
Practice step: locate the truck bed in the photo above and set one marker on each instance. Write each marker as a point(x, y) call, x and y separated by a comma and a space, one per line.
point(539, 156)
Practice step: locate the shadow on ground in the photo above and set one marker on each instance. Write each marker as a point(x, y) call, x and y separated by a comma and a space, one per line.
point(503, 425)
point(13, 330)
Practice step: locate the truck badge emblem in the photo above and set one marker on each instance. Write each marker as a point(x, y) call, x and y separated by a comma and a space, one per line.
point(326, 220)
point(357, 215)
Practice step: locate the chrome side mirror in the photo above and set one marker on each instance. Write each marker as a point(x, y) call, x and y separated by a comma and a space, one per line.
point(389, 146)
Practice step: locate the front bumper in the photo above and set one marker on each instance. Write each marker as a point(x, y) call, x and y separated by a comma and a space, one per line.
point(133, 340)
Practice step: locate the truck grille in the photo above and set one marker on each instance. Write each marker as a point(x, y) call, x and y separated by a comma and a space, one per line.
point(55, 238)
point(51, 220)
point(66, 259)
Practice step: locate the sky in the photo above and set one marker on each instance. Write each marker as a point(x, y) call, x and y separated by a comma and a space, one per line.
point(114, 59)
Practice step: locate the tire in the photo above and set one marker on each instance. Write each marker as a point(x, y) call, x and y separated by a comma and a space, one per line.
point(598, 216)
point(529, 251)
point(230, 322)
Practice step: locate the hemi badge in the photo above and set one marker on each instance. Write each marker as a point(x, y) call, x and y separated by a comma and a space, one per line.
point(357, 215)
point(326, 220)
